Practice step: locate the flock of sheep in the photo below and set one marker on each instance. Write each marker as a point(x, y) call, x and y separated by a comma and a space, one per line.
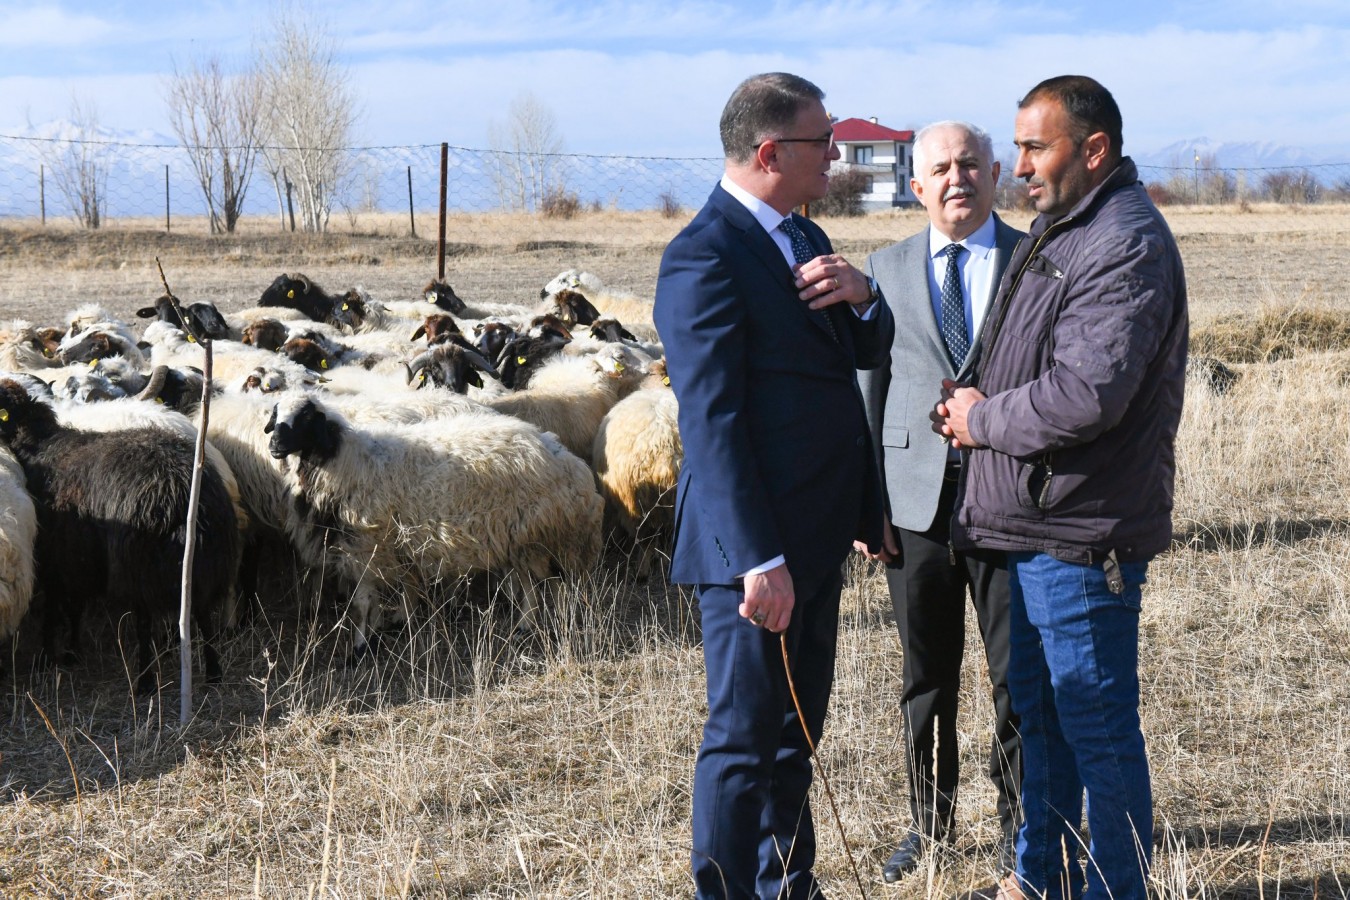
point(402, 448)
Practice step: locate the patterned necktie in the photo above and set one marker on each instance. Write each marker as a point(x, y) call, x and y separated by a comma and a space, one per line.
point(954, 333)
point(802, 252)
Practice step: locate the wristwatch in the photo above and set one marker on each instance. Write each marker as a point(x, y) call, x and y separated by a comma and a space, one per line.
point(873, 294)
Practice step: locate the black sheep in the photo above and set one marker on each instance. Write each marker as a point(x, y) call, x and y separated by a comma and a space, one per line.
point(112, 516)
point(299, 293)
point(205, 320)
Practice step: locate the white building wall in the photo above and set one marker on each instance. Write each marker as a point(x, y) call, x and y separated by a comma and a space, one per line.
point(886, 190)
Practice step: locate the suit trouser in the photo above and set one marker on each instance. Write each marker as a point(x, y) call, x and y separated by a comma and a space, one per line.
point(752, 828)
point(928, 593)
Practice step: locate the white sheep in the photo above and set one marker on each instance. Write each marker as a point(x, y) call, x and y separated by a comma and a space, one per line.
point(24, 346)
point(414, 506)
point(637, 457)
point(110, 337)
point(630, 309)
point(231, 362)
point(569, 395)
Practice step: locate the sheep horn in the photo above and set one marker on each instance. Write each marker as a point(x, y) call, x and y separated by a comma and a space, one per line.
point(417, 365)
point(155, 384)
point(481, 362)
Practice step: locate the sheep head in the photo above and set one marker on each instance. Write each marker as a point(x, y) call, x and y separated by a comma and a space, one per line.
point(442, 295)
point(298, 426)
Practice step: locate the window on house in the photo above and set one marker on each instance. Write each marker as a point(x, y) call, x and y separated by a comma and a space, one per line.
point(862, 155)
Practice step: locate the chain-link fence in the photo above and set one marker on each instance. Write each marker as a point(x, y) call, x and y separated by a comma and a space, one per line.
point(117, 184)
point(55, 182)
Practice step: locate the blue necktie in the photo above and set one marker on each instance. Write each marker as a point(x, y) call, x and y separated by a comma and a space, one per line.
point(954, 333)
point(802, 252)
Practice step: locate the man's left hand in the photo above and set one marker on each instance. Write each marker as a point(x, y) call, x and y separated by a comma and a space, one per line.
point(831, 279)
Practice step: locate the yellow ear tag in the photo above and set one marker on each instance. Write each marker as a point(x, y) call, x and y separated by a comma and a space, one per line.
point(323, 364)
point(159, 400)
point(666, 381)
point(520, 360)
point(422, 378)
point(290, 295)
point(4, 415)
point(192, 339)
point(345, 307)
point(48, 352)
point(431, 296)
point(618, 366)
point(93, 363)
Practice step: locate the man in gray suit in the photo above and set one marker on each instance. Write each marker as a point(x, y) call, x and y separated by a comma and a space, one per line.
point(939, 284)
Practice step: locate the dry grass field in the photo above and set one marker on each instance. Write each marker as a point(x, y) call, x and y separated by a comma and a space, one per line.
point(458, 764)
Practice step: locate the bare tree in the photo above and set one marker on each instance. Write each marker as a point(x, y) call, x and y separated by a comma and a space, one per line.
point(79, 165)
point(309, 111)
point(216, 118)
point(526, 148)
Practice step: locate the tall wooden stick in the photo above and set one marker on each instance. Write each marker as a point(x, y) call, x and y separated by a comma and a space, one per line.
point(194, 501)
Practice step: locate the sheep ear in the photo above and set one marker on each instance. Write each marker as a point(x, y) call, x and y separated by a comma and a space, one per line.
point(420, 332)
point(147, 312)
point(271, 422)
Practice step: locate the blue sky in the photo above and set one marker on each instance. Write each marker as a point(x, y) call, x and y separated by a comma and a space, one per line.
point(650, 77)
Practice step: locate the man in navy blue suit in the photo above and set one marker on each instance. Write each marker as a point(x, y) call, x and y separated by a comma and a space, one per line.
point(764, 327)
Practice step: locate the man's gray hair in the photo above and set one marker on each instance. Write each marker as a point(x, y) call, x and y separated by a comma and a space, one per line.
point(976, 133)
point(763, 107)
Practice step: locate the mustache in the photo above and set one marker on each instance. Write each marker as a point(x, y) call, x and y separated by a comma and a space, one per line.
point(957, 190)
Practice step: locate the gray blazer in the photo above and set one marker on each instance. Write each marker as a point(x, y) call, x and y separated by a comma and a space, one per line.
point(900, 397)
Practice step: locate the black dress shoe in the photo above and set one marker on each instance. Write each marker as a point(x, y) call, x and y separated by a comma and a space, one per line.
point(905, 859)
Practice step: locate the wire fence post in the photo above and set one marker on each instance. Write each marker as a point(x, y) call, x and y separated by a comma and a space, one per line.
point(412, 220)
point(440, 240)
point(42, 193)
point(167, 226)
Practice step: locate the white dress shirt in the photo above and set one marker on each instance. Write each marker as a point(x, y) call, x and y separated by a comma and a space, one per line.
point(977, 273)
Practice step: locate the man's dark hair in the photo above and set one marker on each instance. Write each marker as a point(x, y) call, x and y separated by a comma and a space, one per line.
point(761, 107)
point(1090, 107)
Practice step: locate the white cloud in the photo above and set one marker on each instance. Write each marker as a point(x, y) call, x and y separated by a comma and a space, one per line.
point(50, 27)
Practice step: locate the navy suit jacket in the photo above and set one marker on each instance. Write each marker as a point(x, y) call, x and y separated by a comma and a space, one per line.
point(778, 457)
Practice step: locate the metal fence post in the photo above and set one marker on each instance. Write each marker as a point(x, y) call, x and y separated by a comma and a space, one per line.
point(440, 240)
point(42, 193)
point(167, 227)
point(412, 221)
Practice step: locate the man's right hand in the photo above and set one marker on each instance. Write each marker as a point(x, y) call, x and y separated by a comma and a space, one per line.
point(768, 599)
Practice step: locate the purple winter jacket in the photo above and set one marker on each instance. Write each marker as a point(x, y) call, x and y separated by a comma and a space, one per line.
point(1083, 370)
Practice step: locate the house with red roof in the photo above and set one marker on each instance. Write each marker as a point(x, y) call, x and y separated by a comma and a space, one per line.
point(884, 154)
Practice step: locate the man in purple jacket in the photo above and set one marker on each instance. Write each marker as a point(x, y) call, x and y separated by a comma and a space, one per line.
point(1070, 467)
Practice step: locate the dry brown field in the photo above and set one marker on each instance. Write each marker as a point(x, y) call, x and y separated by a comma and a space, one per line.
point(458, 764)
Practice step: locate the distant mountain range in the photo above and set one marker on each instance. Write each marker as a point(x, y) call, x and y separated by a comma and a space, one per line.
point(1244, 155)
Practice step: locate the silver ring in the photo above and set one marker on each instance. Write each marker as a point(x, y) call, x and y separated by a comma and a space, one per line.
point(836, 284)
point(757, 617)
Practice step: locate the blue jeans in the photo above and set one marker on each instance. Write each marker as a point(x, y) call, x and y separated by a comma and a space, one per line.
point(1074, 679)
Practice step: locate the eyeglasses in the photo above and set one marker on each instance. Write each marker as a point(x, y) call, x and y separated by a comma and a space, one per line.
point(826, 141)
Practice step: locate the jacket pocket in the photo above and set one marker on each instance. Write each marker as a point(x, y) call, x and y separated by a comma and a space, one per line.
point(895, 436)
point(1035, 484)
